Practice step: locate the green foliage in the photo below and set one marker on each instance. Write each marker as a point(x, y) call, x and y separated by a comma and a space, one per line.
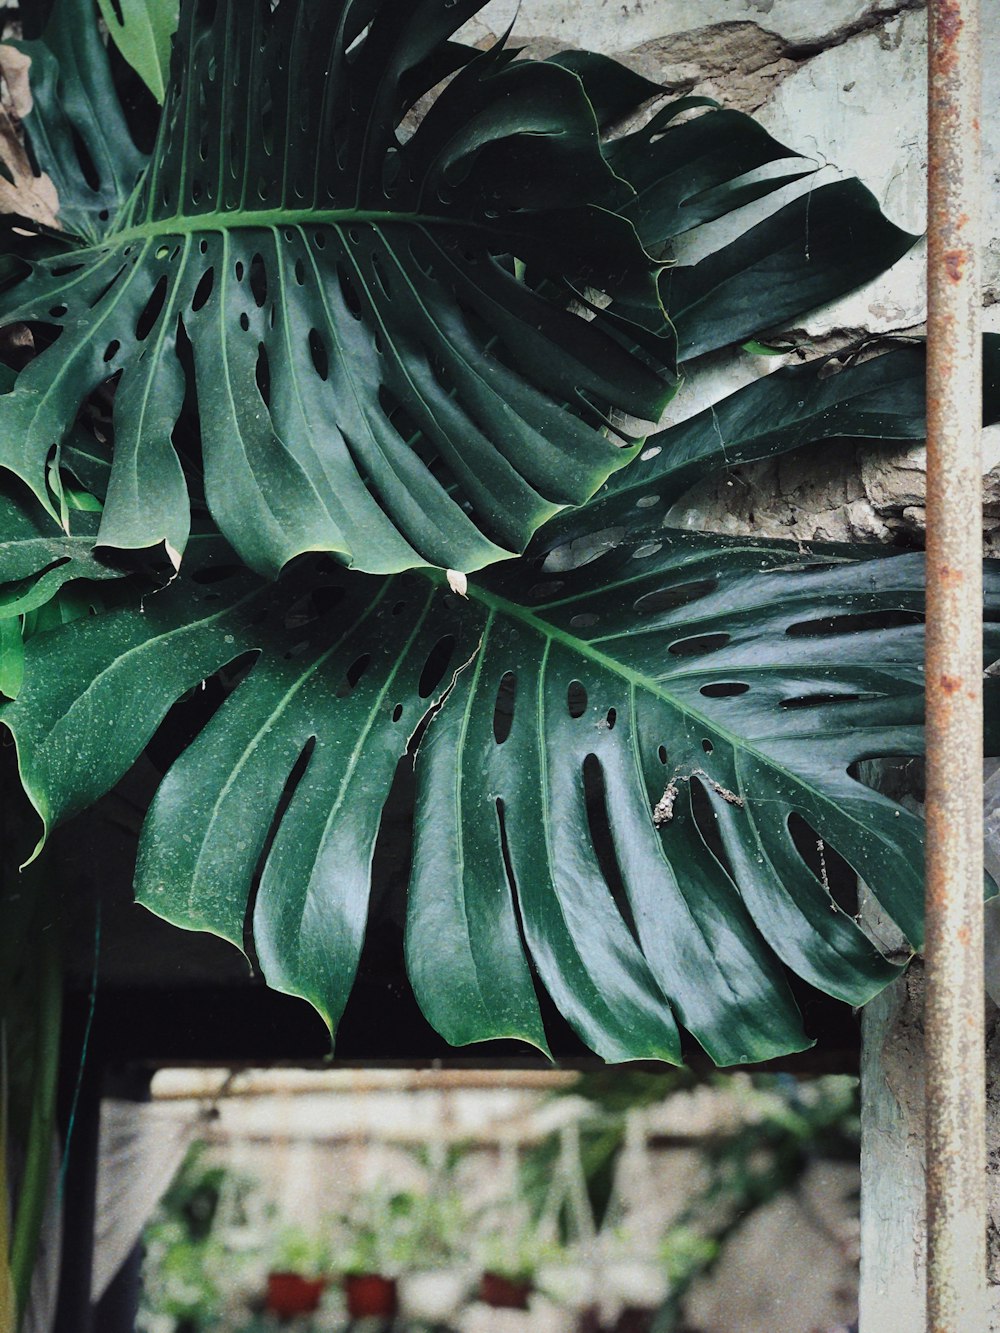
point(187, 1268)
point(141, 29)
point(392, 1232)
point(328, 358)
point(297, 1250)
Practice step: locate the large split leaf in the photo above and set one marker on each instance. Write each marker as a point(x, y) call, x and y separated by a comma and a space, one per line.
point(619, 790)
point(372, 376)
point(631, 773)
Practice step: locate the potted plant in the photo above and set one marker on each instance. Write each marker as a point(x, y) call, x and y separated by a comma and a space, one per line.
point(435, 1280)
point(378, 1244)
point(296, 1283)
point(511, 1257)
point(385, 1235)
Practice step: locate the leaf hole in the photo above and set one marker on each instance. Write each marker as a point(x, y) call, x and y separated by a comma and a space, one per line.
point(612, 718)
point(300, 272)
point(262, 374)
point(152, 310)
point(111, 350)
point(576, 699)
point(436, 665)
point(707, 745)
point(646, 550)
point(585, 620)
point(668, 599)
point(503, 707)
point(836, 875)
point(353, 674)
point(351, 299)
point(397, 712)
point(724, 689)
point(258, 281)
point(855, 623)
point(204, 289)
point(819, 700)
point(58, 311)
point(318, 352)
point(595, 798)
point(661, 753)
point(245, 322)
point(699, 643)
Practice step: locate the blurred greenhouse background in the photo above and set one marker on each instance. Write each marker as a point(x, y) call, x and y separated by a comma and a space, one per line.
point(497, 1202)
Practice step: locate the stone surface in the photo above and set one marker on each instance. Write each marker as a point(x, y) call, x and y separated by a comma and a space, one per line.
point(620, 25)
point(861, 107)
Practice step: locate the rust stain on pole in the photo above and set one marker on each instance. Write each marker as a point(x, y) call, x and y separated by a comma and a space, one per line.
point(955, 1062)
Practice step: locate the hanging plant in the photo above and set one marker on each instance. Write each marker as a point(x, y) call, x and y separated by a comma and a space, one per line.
point(380, 392)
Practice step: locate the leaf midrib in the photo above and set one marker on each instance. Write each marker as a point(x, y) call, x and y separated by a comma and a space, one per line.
point(233, 219)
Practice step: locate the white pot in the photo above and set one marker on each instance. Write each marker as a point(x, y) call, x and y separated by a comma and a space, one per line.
point(434, 1294)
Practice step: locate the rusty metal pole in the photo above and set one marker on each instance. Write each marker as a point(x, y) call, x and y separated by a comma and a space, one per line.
point(955, 1062)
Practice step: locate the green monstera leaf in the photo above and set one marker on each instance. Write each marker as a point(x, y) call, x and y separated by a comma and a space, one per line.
point(404, 348)
point(633, 769)
point(373, 377)
point(141, 29)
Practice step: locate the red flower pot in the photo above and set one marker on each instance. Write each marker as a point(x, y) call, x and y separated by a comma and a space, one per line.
point(504, 1293)
point(371, 1296)
point(289, 1294)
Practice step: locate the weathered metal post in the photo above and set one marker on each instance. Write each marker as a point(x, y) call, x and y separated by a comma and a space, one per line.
point(954, 1040)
